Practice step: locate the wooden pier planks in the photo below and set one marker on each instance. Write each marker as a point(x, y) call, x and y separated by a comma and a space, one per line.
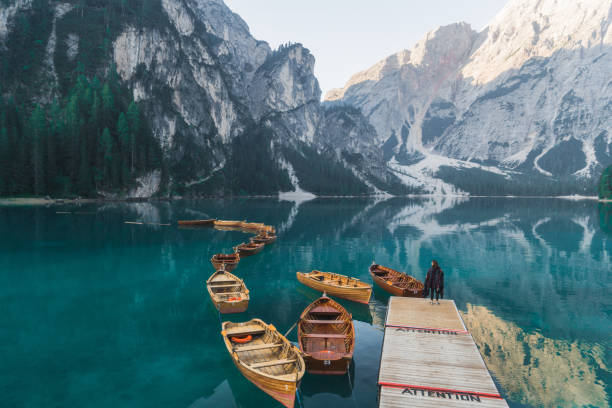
point(430, 359)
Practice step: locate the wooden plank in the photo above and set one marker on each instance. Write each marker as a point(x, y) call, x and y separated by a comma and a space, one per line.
point(430, 359)
point(246, 330)
point(324, 336)
point(419, 312)
point(258, 347)
point(272, 363)
point(448, 361)
point(392, 397)
point(325, 321)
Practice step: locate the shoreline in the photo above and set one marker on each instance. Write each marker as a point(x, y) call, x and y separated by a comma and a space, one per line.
point(46, 201)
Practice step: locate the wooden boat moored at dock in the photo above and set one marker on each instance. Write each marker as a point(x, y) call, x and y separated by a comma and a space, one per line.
point(326, 336)
point(196, 223)
point(337, 285)
point(228, 292)
point(252, 225)
point(265, 357)
point(248, 249)
point(395, 282)
point(229, 261)
point(268, 229)
point(225, 223)
point(263, 239)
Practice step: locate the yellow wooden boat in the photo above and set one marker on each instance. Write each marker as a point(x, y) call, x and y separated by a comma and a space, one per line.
point(228, 292)
point(252, 225)
point(226, 223)
point(228, 261)
point(263, 239)
point(337, 285)
point(265, 357)
point(249, 249)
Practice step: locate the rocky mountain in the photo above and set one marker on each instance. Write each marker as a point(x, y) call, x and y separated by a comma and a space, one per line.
point(522, 107)
point(229, 114)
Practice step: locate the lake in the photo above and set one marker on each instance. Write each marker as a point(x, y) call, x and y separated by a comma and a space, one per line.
point(95, 312)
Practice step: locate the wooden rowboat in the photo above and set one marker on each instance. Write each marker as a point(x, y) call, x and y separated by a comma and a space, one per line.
point(263, 239)
point(337, 285)
point(228, 292)
point(268, 229)
point(196, 223)
point(248, 249)
point(326, 336)
point(396, 283)
point(252, 225)
point(265, 357)
point(224, 223)
point(228, 261)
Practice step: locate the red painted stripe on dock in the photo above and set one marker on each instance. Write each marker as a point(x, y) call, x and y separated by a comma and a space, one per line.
point(420, 387)
point(427, 328)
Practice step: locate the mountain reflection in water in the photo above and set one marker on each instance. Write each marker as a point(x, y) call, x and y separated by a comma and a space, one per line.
point(123, 311)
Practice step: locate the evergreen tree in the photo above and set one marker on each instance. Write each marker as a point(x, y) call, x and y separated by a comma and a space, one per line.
point(106, 147)
point(125, 142)
point(38, 125)
point(4, 160)
point(134, 123)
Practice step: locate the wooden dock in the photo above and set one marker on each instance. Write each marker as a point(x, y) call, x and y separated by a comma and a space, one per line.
point(429, 359)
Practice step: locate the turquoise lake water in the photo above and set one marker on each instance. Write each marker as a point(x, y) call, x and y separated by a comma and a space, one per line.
point(98, 313)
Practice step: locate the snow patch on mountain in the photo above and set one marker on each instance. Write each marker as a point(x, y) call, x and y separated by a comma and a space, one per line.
point(529, 94)
point(297, 195)
point(8, 12)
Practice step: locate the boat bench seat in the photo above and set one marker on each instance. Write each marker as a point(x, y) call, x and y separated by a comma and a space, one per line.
point(258, 347)
point(226, 286)
point(324, 336)
point(272, 363)
point(222, 282)
point(324, 321)
point(328, 310)
point(228, 293)
point(246, 332)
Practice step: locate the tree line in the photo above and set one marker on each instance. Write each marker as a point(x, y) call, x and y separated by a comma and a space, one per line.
point(93, 139)
point(605, 184)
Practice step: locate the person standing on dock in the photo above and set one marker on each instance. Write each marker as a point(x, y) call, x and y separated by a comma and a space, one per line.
point(434, 282)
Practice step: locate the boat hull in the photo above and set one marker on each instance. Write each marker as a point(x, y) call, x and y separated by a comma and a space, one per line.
point(282, 391)
point(248, 251)
point(281, 386)
point(232, 307)
point(394, 290)
point(196, 223)
point(266, 241)
point(222, 223)
point(360, 295)
point(228, 266)
point(327, 367)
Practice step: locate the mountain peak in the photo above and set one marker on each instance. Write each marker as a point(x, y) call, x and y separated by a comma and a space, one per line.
point(526, 29)
point(438, 47)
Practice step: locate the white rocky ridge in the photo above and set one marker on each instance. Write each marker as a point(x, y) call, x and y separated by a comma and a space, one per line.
point(7, 13)
point(530, 94)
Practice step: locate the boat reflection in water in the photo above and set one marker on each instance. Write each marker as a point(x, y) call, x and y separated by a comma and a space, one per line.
point(341, 385)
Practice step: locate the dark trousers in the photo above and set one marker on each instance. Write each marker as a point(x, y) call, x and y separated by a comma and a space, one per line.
point(439, 293)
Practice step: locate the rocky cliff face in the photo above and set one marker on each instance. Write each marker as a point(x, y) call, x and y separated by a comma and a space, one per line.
point(221, 104)
point(523, 105)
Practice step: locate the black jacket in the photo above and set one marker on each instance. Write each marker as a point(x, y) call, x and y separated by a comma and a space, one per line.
point(435, 278)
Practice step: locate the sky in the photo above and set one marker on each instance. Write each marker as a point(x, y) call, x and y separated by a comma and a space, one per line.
point(348, 36)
